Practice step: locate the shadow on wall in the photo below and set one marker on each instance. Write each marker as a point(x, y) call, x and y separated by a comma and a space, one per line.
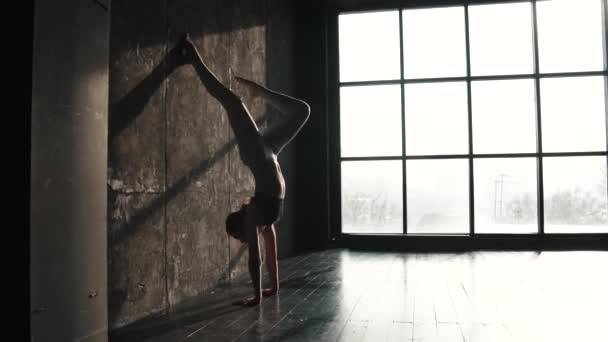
point(130, 107)
point(147, 88)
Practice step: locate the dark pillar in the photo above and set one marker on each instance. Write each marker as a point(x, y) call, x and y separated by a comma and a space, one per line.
point(68, 263)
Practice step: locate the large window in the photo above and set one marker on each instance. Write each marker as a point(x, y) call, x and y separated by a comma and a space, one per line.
point(474, 119)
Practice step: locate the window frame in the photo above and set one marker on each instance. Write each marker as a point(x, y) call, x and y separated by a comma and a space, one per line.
point(333, 104)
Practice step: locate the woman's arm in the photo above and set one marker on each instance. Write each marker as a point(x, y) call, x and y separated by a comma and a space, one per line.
point(254, 263)
point(270, 245)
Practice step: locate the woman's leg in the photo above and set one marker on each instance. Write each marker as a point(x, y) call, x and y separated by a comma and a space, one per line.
point(243, 125)
point(295, 110)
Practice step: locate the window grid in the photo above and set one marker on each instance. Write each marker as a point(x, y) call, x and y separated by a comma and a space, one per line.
point(470, 124)
point(403, 140)
point(470, 156)
point(477, 78)
point(605, 42)
point(540, 197)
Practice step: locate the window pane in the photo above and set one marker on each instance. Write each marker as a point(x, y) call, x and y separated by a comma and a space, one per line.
point(370, 121)
point(576, 198)
point(437, 196)
point(501, 39)
point(436, 118)
point(434, 42)
point(573, 114)
point(504, 116)
point(369, 46)
point(570, 35)
point(372, 197)
point(506, 196)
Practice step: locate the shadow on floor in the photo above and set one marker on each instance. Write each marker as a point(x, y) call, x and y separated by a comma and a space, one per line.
point(167, 323)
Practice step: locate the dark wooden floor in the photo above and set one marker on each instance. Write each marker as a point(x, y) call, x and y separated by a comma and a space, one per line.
point(341, 295)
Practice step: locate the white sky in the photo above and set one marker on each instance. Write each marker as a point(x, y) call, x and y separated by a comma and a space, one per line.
point(573, 109)
point(370, 39)
point(373, 124)
point(504, 116)
point(573, 114)
point(570, 35)
point(501, 39)
point(437, 118)
point(434, 42)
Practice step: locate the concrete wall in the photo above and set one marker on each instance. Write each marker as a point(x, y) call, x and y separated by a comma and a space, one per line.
point(68, 255)
point(173, 170)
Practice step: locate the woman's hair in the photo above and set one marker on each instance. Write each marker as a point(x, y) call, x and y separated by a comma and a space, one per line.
point(234, 224)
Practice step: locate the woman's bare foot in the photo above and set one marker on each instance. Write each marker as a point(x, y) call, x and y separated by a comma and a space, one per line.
point(185, 51)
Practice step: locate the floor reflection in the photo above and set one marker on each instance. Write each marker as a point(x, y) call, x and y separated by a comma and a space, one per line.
point(342, 295)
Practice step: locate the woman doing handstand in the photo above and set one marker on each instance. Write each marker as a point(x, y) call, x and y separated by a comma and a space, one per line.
point(259, 153)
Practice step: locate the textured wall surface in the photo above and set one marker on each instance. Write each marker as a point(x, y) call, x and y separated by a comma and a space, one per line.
point(136, 172)
point(173, 170)
point(68, 278)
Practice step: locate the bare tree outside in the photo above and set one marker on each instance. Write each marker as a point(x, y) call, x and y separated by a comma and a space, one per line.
point(576, 196)
point(372, 197)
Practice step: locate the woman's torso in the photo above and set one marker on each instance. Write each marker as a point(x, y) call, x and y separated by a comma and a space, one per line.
point(267, 171)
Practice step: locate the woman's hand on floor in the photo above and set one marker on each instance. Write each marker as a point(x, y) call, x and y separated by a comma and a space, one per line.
point(269, 292)
point(248, 302)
